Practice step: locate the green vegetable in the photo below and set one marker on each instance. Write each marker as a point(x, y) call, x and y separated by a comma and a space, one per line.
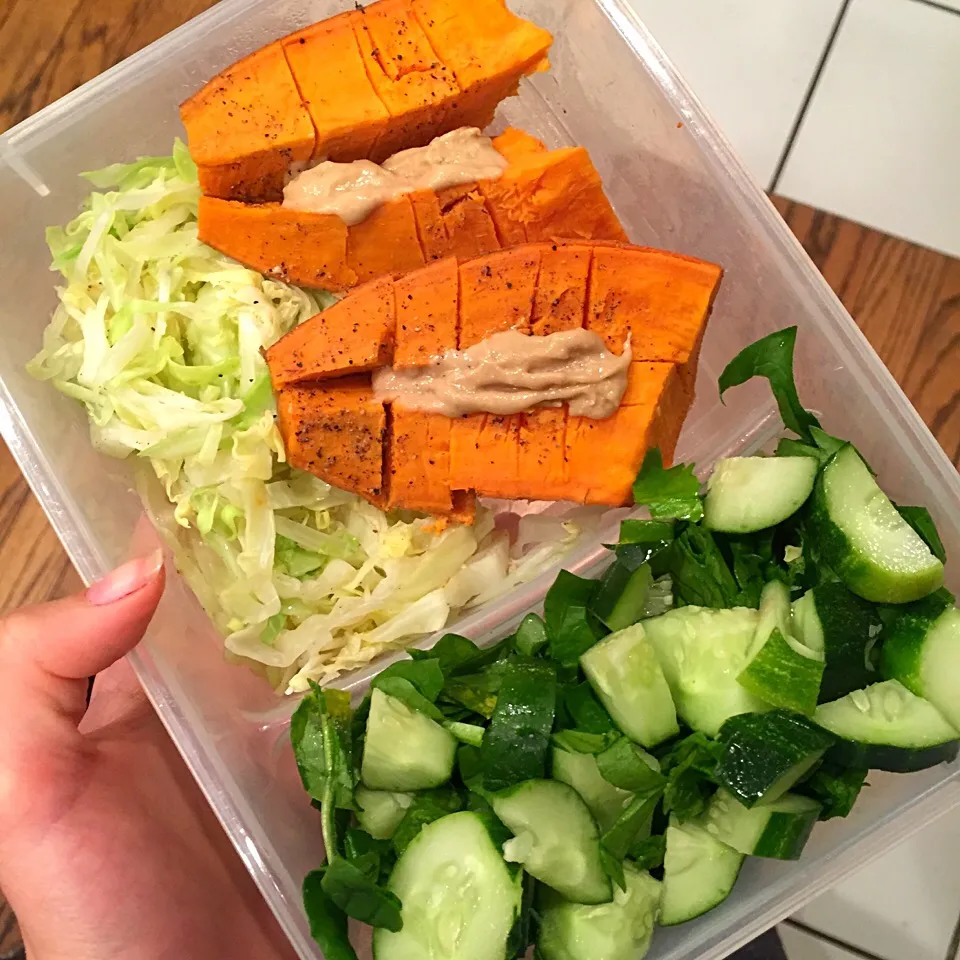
point(778, 829)
point(470, 733)
point(453, 651)
point(689, 766)
point(328, 923)
point(579, 741)
point(626, 766)
point(566, 609)
point(531, 635)
point(426, 807)
point(321, 738)
point(669, 494)
point(919, 518)
point(620, 599)
point(477, 691)
point(836, 788)
point(772, 357)
point(415, 682)
point(701, 576)
point(379, 812)
point(586, 711)
point(359, 896)
point(579, 770)
point(631, 826)
point(516, 742)
point(648, 853)
point(641, 541)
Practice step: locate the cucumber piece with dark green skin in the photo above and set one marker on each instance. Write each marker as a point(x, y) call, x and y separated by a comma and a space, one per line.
point(699, 872)
point(861, 536)
point(886, 727)
point(845, 627)
point(517, 742)
point(620, 930)
point(782, 671)
point(779, 829)
point(702, 652)
point(621, 596)
point(459, 899)
point(746, 494)
point(404, 749)
point(923, 653)
point(555, 838)
point(626, 675)
point(766, 754)
point(604, 800)
point(379, 812)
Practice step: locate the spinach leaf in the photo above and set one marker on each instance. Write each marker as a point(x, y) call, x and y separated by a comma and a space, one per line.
point(624, 765)
point(699, 571)
point(641, 541)
point(789, 447)
point(531, 635)
point(477, 691)
point(516, 743)
point(405, 691)
point(320, 732)
point(586, 711)
point(350, 888)
point(632, 824)
point(453, 651)
point(772, 357)
point(752, 563)
point(426, 675)
point(836, 787)
point(373, 857)
point(669, 494)
point(571, 627)
point(689, 767)
point(427, 806)
point(649, 852)
point(579, 741)
point(521, 935)
point(328, 923)
point(919, 518)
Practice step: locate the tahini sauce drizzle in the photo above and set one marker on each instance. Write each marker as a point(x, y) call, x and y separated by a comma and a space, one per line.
point(510, 373)
point(353, 191)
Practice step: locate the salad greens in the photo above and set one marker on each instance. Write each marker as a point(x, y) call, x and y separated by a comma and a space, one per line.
point(624, 753)
point(160, 337)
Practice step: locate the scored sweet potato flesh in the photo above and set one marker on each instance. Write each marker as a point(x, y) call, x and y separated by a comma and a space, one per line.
point(432, 463)
point(361, 85)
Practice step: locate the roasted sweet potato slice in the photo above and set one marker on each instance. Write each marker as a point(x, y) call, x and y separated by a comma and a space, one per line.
point(496, 293)
point(543, 470)
point(352, 336)
point(417, 89)
point(659, 300)
point(426, 313)
point(419, 461)
point(386, 242)
point(247, 127)
point(485, 454)
point(335, 430)
point(561, 297)
point(487, 48)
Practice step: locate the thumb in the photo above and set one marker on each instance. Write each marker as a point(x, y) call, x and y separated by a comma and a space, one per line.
point(47, 652)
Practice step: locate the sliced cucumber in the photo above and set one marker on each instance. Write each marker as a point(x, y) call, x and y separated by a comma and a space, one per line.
point(379, 812)
point(625, 672)
point(745, 494)
point(469, 733)
point(779, 829)
point(923, 653)
point(555, 838)
point(702, 652)
point(766, 754)
point(459, 898)
point(844, 627)
point(621, 596)
point(404, 749)
point(782, 671)
point(698, 872)
point(605, 801)
point(863, 538)
point(886, 727)
point(620, 930)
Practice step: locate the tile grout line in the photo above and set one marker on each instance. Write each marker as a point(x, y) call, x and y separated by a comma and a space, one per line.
point(808, 96)
point(828, 938)
point(938, 6)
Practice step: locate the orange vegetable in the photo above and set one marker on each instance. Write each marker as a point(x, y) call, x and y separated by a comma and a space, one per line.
point(386, 242)
point(487, 48)
point(335, 430)
point(419, 461)
point(496, 293)
point(660, 300)
point(352, 336)
point(544, 474)
point(427, 304)
point(561, 296)
point(360, 85)
point(469, 227)
point(247, 127)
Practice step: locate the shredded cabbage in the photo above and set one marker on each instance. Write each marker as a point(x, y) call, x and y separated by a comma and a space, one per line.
point(160, 337)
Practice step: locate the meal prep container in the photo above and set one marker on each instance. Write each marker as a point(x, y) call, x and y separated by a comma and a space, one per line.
point(675, 184)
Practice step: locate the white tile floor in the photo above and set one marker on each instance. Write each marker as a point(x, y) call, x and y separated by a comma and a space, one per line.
point(848, 105)
point(852, 106)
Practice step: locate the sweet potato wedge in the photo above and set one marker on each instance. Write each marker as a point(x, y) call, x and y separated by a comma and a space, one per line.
point(336, 430)
point(352, 336)
point(418, 458)
point(427, 318)
point(319, 250)
point(247, 127)
point(362, 84)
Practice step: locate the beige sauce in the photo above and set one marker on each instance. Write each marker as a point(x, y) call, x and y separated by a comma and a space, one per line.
point(353, 191)
point(510, 372)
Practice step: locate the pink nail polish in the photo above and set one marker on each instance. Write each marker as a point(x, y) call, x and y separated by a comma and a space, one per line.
point(126, 579)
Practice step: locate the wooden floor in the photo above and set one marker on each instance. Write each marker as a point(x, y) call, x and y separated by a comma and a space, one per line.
point(904, 297)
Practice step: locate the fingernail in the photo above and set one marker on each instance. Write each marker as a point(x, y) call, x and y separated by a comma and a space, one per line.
point(129, 578)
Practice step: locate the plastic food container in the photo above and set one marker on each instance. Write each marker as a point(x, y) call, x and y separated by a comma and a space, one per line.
point(676, 184)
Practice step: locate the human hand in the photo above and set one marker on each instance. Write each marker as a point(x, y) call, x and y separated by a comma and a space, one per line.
point(107, 848)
